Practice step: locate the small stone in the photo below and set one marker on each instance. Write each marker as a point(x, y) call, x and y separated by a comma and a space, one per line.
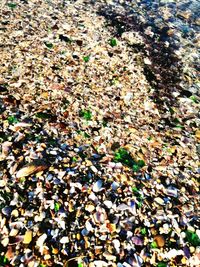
point(84, 232)
point(114, 186)
point(55, 250)
point(88, 226)
point(159, 240)
point(41, 240)
point(89, 207)
point(6, 148)
point(97, 186)
point(33, 167)
point(14, 232)
point(172, 191)
point(47, 257)
point(147, 61)
point(5, 241)
point(108, 204)
point(159, 201)
point(138, 241)
point(7, 211)
point(109, 256)
point(64, 240)
point(28, 237)
point(2, 183)
point(116, 244)
point(94, 169)
point(99, 263)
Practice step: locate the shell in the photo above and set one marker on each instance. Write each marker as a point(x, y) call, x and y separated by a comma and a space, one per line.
point(33, 167)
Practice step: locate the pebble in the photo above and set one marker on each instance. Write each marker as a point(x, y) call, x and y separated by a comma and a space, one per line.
point(40, 240)
point(108, 204)
point(172, 191)
point(5, 241)
point(90, 207)
point(94, 169)
point(28, 237)
point(97, 186)
point(159, 201)
point(14, 232)
point(64, 240)
point(2, 183)
point(98, 263)
point(159, 240)
point(116, 244)
point(88, 226)
point(109, 256)
point(114, 186)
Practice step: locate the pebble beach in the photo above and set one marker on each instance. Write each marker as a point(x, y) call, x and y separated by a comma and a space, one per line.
point(99, 133)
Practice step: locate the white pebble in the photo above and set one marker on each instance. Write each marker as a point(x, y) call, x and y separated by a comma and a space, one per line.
point(94, 169)
point(97, 186)
point(64, 240)
point(41, 240)
point(2, 183)
point(88, 226)
point(108, 203)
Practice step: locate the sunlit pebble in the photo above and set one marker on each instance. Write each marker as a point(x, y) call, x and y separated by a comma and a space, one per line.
point(7, 211)
point(109, 257)
point(72, 190)
point(40, 241)
point(94, 169)
point(89, 207)
point(122, 207)
point(28, 237)
point(159, 201)
point(93, 197)
point(60, 175)
point(108, 203)
point(97, 186)
point(5, 241)
point(64, 240)
point(125, 264)
point(111, 164)
point(14, 232)
point(2, 183)
point(118, 165)
point(98, 263)
point(114, 186)
point(116, 244)
point(88, 226)
point(84, 232)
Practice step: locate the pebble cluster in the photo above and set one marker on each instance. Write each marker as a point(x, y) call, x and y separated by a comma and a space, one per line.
point(99, 166)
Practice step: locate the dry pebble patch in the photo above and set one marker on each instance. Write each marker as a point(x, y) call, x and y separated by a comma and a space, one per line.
point(93, 171)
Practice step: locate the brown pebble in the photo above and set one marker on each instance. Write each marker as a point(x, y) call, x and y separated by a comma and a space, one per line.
point(159, 240)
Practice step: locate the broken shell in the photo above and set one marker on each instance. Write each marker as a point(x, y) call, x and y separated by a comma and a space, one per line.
point(33, 167)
